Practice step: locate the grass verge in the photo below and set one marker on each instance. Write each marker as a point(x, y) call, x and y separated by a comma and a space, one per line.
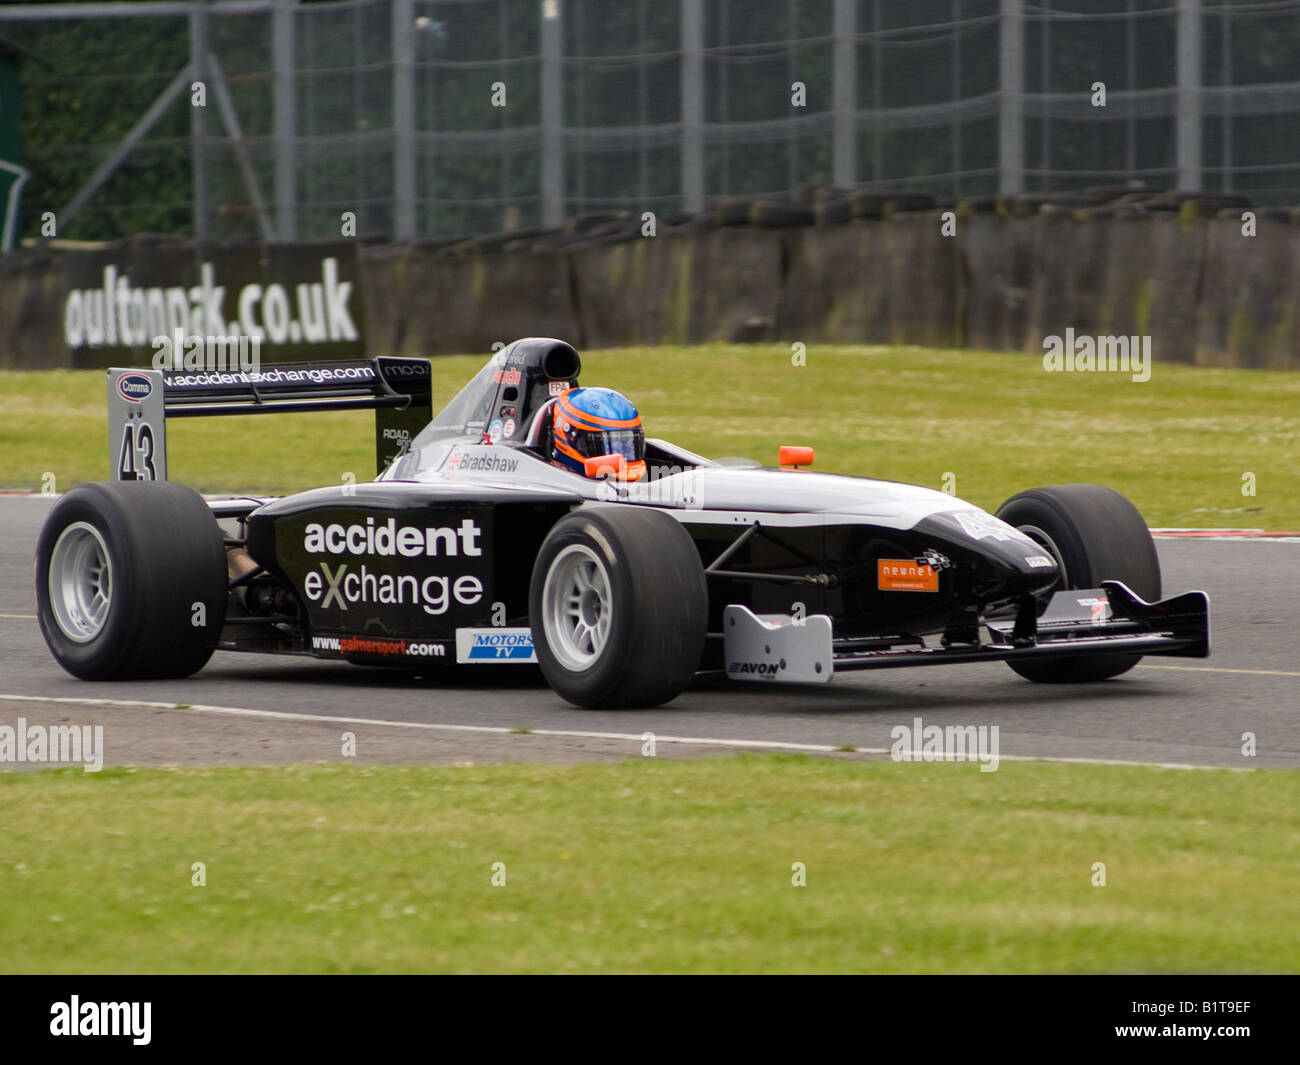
point(652, 866)
point(1178, 445)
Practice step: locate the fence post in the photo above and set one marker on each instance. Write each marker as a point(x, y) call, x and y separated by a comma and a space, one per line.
point(1225, 78)
point(845, 136)
point(198, 118)
point(1011, 105)
point(403, 120)
point(283, 54)
point(1189, 94)
point(692, 106)
point(552, 74)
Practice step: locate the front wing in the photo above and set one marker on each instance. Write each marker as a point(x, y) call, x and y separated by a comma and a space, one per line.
point(1111, 619)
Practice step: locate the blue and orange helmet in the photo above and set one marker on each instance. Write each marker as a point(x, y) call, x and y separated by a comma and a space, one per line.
point(592, 423)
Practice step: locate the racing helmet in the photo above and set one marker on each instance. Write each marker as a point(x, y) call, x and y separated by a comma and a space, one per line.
point(592, 422)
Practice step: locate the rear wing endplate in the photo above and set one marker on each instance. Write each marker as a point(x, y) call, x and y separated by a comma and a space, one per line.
point(140, 403)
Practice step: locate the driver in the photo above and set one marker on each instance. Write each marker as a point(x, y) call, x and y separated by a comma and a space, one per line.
point(590, 423)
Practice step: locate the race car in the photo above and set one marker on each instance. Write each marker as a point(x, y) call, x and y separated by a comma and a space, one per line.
point(474, 545)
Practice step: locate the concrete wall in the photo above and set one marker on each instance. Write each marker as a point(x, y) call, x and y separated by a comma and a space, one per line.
point(1203, 291)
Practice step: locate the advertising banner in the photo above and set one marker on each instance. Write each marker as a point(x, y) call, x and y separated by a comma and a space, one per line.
point(177, 307)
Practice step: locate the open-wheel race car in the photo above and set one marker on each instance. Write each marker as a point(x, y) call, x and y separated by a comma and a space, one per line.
point(621, 578)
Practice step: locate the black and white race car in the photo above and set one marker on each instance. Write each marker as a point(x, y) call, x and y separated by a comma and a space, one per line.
point(471, 547)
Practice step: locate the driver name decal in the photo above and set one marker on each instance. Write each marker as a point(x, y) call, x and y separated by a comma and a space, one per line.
point(479, 460)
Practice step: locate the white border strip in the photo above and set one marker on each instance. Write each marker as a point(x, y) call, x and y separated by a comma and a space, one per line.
point(634, 737)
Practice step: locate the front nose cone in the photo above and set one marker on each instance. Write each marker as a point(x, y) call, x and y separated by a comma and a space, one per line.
point(1032, 574)
point(1013, 571)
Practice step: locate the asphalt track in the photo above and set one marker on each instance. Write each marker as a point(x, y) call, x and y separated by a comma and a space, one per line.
point(1171, 710)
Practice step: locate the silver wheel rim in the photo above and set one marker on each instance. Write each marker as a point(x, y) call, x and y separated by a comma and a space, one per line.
point(81, 582)
point(577, 607)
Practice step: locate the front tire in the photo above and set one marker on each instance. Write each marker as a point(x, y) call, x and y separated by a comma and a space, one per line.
point(131, 581)
point(618, 607)
point(1095, 534)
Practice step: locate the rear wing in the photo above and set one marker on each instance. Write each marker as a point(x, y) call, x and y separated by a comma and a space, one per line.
point(140, 403)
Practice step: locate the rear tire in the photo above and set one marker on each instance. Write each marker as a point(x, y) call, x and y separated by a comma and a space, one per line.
point(131, 581)
point(1095, 534)
point(618, 607)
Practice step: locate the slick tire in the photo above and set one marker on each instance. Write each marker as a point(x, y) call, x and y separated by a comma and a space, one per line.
point(1095, 534)
point(131, 581)
point(618, 607)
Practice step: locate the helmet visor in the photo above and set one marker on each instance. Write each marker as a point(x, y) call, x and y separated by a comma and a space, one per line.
point(630, 443)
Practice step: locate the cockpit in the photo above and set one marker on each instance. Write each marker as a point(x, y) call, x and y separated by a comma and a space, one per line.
point(510, 402)
point(504, 402)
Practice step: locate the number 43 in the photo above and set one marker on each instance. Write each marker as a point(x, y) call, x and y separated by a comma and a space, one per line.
point(137, 454)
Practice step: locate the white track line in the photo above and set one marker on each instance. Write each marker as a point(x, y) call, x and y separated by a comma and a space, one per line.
point(634, 737)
